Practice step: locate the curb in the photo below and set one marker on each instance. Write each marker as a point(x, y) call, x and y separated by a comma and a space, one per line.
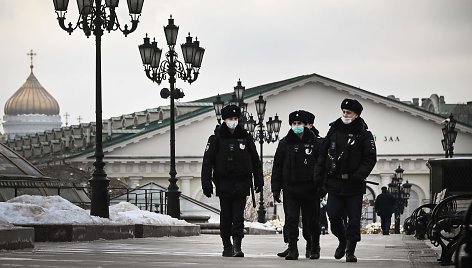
point(24, 236)
point(16, 238)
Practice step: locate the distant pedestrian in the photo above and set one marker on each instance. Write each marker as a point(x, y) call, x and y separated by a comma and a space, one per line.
point(230, 162)
point(347, 157)
point(292, 173)
point(384, 205)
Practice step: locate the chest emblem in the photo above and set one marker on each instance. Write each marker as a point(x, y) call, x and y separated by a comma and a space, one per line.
point(242, 146)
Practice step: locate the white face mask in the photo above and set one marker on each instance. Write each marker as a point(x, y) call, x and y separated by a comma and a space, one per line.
point(231, 123)
point(347, 120)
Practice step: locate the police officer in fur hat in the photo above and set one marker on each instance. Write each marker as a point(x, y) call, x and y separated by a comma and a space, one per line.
point(323, 220)
point(347, 157)
point(292, 174)
point(230, 162)
point(310, 120)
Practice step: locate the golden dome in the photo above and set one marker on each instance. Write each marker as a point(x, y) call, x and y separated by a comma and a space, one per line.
point(31, 98)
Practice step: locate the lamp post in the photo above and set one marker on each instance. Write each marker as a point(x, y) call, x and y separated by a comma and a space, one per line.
point(94, 18)
point(169, 68)
point(268, 133)
point(401, 193)
point(449, 134)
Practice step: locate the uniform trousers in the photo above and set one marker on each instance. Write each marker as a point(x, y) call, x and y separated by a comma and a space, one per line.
point(344, 212)
point(232, 215)
point(309, 206)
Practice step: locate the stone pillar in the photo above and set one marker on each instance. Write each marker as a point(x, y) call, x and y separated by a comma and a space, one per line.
point(133, 181)
point(185, 185)
point(385, 179)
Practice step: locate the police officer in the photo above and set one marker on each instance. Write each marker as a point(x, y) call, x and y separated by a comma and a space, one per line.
point(292, 173)
point(384, 204)
point(316, 230)
point(231, 161)
point(310, 123)
point(310, 120)
point(347, 157)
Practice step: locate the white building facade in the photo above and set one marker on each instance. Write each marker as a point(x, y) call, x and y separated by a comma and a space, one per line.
point(406, 136)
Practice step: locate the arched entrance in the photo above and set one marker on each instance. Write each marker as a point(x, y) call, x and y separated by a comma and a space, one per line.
point(368, 211)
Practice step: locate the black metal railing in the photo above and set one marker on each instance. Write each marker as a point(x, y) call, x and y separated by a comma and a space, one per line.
point(154, 200)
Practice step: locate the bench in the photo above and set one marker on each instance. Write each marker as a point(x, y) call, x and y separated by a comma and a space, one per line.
point(465, 260)
point(446, 225)
point(417, 223)
point(419, 219)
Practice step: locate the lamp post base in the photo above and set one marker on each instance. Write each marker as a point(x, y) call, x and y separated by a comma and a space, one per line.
point(261, 214)
point(397, 223)
point(173, 204)
point(100, 199)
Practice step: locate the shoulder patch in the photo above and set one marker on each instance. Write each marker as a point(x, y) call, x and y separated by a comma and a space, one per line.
point(372, 144)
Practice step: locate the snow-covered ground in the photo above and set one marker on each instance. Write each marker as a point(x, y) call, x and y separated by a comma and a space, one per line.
point(33, 209)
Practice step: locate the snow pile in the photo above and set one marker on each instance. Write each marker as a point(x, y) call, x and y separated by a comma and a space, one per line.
point(126, 213)
point(4, 224)
point(257, 225)
point(27, 209)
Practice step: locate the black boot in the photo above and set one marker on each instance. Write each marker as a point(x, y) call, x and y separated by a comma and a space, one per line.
point(227, 247)
point(292, 250)
point(351, 247)
point(283, 253)
point(308, 248)
point(237, 246)
point(341, 250)
point(315, 247)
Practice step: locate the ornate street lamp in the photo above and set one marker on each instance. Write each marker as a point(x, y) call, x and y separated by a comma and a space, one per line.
point(262, 135)
point(218, 105)
point(94, 18)
point(268, 133)
point(169, 68)
point(401, 193)
point(449, 134)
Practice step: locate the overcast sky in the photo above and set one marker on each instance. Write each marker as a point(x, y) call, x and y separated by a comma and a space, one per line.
point(402, 47)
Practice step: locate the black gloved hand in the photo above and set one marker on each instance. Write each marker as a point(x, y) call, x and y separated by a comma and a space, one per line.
point(258, 188)
point(277, 197)
point(208, 192)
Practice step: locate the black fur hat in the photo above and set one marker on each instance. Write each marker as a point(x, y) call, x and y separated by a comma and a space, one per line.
point(352, 105)
point(297, 116)
point(230, 111)
point(310, 118)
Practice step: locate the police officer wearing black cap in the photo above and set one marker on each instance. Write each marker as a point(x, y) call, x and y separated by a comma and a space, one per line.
point(230, 162)
point(310, 123)
point(292, 173)
point(347, 157)
point(321, 216)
